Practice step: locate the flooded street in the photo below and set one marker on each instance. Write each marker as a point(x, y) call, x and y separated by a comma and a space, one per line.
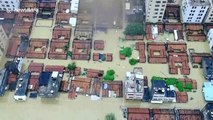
point(83, 108)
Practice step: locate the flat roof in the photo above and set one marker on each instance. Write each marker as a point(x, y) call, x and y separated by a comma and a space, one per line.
point(199, 2)
point(207, 90)
point(22, 84)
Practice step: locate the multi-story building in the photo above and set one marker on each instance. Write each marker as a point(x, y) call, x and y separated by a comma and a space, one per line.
point(210, 39)
point(134, 85)
point(194, 11)
point(9, 5)
point(155, 10)
point(3, 41)
point(161, 93)
point(208, 111)
point(209, 14)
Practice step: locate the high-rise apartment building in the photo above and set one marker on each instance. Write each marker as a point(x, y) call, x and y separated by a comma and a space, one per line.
point(194, 11)
point(209, 14)
point(9, 5)
point(155, 10)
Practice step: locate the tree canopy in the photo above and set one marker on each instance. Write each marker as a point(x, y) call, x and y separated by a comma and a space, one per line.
point(110, 75)
point(71, 66)
point(133, 61)
point(110, 116)
point(134, 29)
point(127, 52)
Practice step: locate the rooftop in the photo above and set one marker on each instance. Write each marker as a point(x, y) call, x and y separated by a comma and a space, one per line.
point(22, 84)
point(207, 91)
point(4, 73)
point(134, 82)
point(199, 2)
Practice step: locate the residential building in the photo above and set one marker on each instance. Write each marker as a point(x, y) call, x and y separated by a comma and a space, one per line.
point(21, 88)
point(74, 6)
point(49, 83)
point(135, 10)
point(207, 64)
point(209, 14)
point(155, 10)
point(4, 74)
point(208, 111)
point(9, 5)
point(134, 85)
point(207, 91)
point(210, 39)
point(161, 93)
point(3, 41)
point(194, 11)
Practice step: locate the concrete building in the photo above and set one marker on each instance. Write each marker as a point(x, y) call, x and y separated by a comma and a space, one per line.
point(155, 10)
point(208, 111)
point(3, 41)
point(209, 14)
point(207, 91)
point(21, 88)
point(9, 5)
point(162, 93)
point(49, 83)
point(134, 85)
point(210, 39)
point(194, 11)
point(207, 64)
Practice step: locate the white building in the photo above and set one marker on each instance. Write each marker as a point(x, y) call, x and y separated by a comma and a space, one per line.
point(210, 39)
point(74, 6)
point(9, 5)
point(3, 42)
point(155, 10)
point(209, 14)
point(194, 11)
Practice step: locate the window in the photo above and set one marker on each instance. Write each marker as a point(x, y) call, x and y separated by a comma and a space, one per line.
point(198, 17)
point(160, 17)
point(11, 1)
point(194, 7)
point(3, 5)
point(211, 15)
point(159, 20)
point(158, 1)
point(161, 13)
point(162, 9)
point(189, 17)
point(8, 5)
point(156, 13)
point(202, 11)
point(156, 9)
point(203, 7)
point(163, 5)
point(154, 17)
point(0, 1)
point(210, 18)
point(199, 14)
point(157, 5)
point(5, 1)
point(164, 1)
point(13, 5)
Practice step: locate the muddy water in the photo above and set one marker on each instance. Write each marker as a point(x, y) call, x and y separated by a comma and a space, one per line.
point(83, 108)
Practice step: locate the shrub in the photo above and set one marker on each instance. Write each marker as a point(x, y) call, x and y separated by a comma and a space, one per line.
point(134, 29)
point(127, 52)
point(133, 61)
point(109, 75)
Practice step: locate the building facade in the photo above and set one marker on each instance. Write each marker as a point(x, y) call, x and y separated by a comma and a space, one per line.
point(3, 41)
point(9, 5)
point(194, 11)
point(155, 10)
point(210, 39)
point(209, 14)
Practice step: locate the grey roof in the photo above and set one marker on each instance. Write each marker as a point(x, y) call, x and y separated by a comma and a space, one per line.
point(51, 89)
point(207, 64)
point(24, 44)
point(199, 2)
point(4, 73)
point(22, 84)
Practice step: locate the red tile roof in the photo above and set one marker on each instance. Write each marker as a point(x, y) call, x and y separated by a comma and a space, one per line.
point(116, 86)
point(138, 114)
point(36, 67)
point(55, 68)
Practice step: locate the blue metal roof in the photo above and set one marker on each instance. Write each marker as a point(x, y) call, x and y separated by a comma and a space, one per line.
point(170, 93)
point(158, 84)
point(207, 64)
point(22, 84)
point(209, 106)
point(51, 87)
point(44, 78)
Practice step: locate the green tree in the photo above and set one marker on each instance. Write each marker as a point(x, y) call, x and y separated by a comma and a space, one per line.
point(71, 66)
point(110, 116)
point(66, 47)
point(133, 61)
point(110, 75)
point(127, 52)
point(134, 29)
point(69, 53)
point(179, 85)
